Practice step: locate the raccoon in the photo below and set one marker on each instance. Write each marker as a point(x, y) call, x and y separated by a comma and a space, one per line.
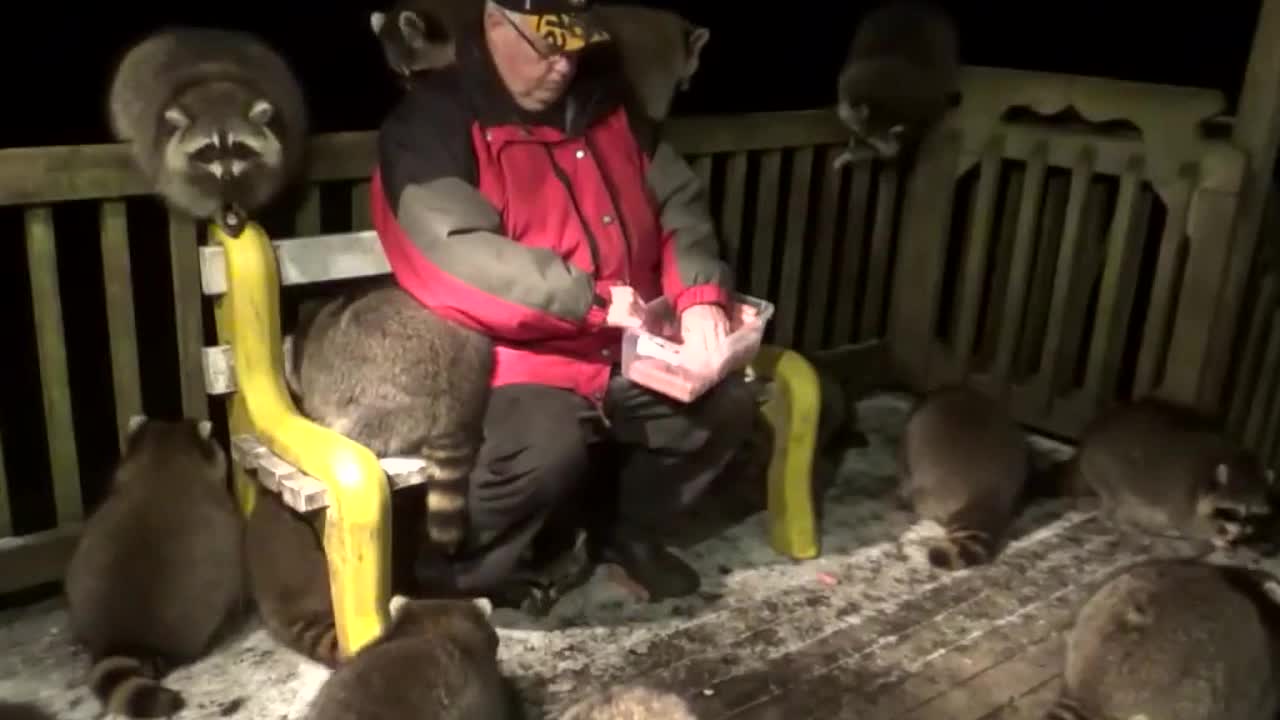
point(964, 464)
point(22, 711)
point(418, 35)
point(631, 702)
point(436, 659)
point(215, 120)
point(1173, 639)
point(902, 73)
point(1162, 469)
point(378, 367)
point(658, 50)
point(158, 571)
point(289, 579)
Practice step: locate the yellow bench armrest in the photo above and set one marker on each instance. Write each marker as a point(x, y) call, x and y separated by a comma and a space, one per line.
point(357, 527)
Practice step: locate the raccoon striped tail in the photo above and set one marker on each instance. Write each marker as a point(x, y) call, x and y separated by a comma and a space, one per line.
point(961, 548)
point(127, 686)
point(448, 472)
point(1065, 709)
point(315, 637)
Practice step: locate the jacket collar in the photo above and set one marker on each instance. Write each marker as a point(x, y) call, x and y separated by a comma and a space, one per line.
point(594, 92)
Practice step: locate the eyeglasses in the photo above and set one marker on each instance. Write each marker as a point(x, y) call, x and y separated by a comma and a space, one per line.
point(547, 55)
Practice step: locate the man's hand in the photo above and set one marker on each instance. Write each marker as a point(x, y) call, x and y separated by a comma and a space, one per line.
point(703, 329)
point(625, 309)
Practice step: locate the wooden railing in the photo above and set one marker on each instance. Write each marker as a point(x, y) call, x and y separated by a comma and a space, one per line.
point(112, 322)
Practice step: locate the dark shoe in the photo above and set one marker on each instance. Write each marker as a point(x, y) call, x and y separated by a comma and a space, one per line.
point(655, 569)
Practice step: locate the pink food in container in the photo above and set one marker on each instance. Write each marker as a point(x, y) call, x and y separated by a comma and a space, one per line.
point(653, 356)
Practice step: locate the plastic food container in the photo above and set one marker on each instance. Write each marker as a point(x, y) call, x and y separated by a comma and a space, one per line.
point(652, 356)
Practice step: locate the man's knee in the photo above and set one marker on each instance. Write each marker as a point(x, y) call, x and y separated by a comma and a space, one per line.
point(558, 462)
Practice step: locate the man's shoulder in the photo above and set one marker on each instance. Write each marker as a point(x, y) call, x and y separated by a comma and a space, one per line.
point(433, 101)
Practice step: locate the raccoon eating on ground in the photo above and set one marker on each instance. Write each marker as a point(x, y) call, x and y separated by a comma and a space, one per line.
point(901, 75)
point(158, 572)
point(215, 121)
point(289, 579)
point(436, 659)
point(659, 51)
point(377, 366)
point(631, 701)
point(1173, 639)
point(1163, 469)
point(964, 464)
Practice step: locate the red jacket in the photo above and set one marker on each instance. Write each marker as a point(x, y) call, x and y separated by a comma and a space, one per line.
point(518, 224)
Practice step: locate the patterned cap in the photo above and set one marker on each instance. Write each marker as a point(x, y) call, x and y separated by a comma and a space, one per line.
point(565, 25)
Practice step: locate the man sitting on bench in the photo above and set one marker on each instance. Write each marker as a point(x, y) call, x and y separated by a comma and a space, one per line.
point(518, 193)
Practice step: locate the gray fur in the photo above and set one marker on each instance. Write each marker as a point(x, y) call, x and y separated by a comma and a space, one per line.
point(965, 464)
point(158, 572)
point(1161, 469)
point(378, 367)
point(289, 579)
point(1173, 639)
point(631, 702)
point(22, 711)
point(437, 659)
point(901, 75)
point(659, 50)
point(215, 120)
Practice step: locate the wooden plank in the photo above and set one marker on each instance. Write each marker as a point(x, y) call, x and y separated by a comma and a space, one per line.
point(30, 560)
point(1024, 247)
point(117, 279)
point(762, 242)
point(306, 260)
point(1051, 371)
point(51, 350)
point(709, 134)
point(843, 322)
point(977, 254)
point(732, 207)
point(361, 219)
point(303, 492)
point(1269, 383)
point(816, 319)
point(702, 167)
point(308, 219)
point(1118, 288)
point(184, 261)
point(873, 297)
point(794, 247)
point(1244, 394)
point(1155, 334)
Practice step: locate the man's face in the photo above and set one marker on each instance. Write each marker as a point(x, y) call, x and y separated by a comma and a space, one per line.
point(533, 72)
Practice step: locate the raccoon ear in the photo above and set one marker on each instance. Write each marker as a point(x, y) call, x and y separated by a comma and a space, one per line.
point(396, 605)
point(897, 129)
point(1271, 476)
point(135, 422)
point(694, 42)
point(485, 605)
point(205, 428)
point(377, 20)
point(1222, 474)
point(261, 111)
point(413, 29)
point(177, 117)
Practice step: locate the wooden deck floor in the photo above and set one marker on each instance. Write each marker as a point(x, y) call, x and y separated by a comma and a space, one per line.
point(868, 631)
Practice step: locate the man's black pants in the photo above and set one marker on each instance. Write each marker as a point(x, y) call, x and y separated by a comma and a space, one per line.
point(536, 458)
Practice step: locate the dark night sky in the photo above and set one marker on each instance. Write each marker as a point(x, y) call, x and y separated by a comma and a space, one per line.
point(70, 52)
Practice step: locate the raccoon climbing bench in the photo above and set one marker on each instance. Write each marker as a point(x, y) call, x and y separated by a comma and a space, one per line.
point(275, 448)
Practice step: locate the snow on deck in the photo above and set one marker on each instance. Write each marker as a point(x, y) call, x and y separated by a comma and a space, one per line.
point(868, 630)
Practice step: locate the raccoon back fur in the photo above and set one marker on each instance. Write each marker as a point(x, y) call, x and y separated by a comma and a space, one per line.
point(158, 572)
point(436, 659)
point(377, 366)
point(289, 579)
point(965, 464)
point(901, 75)
point(1160, 468)
point(631, 702)
point(1173, 639)
point(215, 120)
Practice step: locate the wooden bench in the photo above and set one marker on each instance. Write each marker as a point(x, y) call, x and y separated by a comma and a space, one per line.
point(311, 467)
